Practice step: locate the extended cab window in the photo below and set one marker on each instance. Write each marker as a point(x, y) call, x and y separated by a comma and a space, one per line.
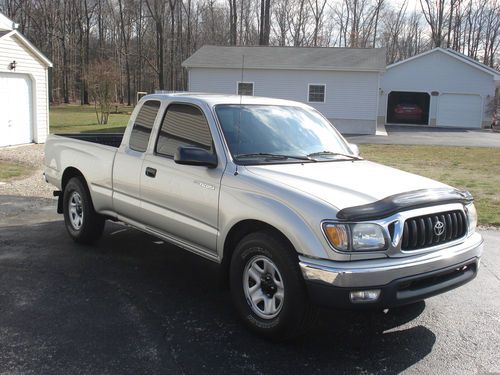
point(183, 125)
point(143, 124)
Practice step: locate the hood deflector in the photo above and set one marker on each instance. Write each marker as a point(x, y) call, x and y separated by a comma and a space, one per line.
point(403, 202)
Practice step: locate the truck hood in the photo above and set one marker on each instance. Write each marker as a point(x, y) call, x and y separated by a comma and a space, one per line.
point(344, 183)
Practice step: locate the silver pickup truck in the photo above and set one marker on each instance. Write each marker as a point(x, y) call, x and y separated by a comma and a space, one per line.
point(272, 192)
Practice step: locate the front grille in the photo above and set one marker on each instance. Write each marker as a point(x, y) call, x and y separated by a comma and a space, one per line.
point(425, 231)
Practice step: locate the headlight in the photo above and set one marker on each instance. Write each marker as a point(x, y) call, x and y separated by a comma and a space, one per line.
point(356, 237)
point(366, 237)
point(471, 217)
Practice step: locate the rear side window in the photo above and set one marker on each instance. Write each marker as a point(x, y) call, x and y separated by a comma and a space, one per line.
point(183, 125)
point(143, 125)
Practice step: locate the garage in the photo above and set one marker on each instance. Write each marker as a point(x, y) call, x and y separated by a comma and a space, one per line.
point(459, 110)
point(438, 88)
point(408, 108)
point(16, 125)
point(24, 105)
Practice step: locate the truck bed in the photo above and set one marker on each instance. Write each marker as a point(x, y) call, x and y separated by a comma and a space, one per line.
point(107, 139)
point(92, 154)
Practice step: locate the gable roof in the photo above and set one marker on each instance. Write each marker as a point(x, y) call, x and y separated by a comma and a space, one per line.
point(7, 23)
point(27, 44)
point(457, 55)
point(295, 58)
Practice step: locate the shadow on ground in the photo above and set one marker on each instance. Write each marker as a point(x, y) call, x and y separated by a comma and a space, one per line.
point(133, 304)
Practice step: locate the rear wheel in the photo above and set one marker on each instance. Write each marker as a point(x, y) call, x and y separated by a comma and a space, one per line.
point(267, 286)
point(83, 224)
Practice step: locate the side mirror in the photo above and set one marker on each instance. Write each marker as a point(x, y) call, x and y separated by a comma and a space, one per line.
point(354, 148)
point(195, 156)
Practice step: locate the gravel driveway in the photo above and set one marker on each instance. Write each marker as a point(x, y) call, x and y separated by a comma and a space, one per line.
point(32, 186)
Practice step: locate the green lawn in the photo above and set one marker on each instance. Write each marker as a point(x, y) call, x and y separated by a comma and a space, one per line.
point(10, 170)
point(475, 169)
point(72, 118)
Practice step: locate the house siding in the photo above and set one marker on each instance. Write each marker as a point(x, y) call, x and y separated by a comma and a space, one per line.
point(438, 72)
point(28, 63)
point(351, 98)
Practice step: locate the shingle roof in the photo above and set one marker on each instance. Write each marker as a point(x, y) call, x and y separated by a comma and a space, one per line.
point(4, 32)
point(301, 58)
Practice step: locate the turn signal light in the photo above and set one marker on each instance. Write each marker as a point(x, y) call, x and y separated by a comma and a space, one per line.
point(338, 236)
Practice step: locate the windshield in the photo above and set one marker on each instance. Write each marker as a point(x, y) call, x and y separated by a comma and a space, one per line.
point(269, 133)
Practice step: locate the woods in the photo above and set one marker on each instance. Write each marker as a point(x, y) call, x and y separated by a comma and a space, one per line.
point(143, 42)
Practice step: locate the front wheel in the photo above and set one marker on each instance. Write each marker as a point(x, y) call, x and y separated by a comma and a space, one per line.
point(267, 286)
point(83, 224)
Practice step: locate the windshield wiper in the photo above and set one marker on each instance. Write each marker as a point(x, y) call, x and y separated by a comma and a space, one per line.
point(331, 153)
point(268, 155)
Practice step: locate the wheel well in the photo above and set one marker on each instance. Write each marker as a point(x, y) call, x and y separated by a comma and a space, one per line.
point(68, 174)
point(240, 230)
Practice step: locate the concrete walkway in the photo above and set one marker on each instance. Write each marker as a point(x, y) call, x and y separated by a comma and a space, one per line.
point(420, 135)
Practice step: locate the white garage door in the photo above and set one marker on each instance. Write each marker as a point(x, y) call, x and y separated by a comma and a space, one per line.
point(459, 110)
point(15, 109)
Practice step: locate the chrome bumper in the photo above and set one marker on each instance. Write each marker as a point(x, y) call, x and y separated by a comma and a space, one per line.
point(378, 272)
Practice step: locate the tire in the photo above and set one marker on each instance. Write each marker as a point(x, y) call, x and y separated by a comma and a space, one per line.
point(83, 224)
point(276, 306)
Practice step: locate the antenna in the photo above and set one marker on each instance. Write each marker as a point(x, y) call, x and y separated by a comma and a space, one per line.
point(239, 118)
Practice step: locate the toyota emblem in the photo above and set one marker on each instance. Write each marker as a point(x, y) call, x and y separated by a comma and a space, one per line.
point(438, 228)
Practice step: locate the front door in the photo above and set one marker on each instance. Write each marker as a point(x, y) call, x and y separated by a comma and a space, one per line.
point(181, 201)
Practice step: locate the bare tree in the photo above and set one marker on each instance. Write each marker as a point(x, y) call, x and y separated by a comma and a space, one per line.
point(135, 35)
point(265, 22)
point(157, 11)
point(434, 13)
point(317, 8)
point(102, 77)
point(233, 22)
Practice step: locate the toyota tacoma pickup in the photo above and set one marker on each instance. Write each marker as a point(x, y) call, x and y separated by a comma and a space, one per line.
point(272, 192)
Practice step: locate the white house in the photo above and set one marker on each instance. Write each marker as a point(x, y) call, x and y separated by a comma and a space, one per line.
point(342, 83)
point(24, 107)
point(449, 89)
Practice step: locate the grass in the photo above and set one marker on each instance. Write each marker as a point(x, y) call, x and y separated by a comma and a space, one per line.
point(475, 169)
point(72, 118)
point(10, 170)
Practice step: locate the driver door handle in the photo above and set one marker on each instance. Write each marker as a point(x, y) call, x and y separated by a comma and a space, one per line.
point(150, 172)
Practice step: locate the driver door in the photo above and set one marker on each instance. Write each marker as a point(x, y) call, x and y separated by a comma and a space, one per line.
point(181, 201)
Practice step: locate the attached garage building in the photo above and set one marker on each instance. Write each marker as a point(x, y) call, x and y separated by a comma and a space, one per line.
point(440, 87)
point(24, 107)
point(341, 83)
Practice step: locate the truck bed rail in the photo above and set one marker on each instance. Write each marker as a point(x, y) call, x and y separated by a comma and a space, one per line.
point(108, 139)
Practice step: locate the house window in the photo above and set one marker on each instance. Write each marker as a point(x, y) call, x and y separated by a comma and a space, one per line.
point(245, 88)
point(317, 93)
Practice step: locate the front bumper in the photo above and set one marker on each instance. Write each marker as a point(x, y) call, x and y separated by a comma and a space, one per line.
point(400, 280)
